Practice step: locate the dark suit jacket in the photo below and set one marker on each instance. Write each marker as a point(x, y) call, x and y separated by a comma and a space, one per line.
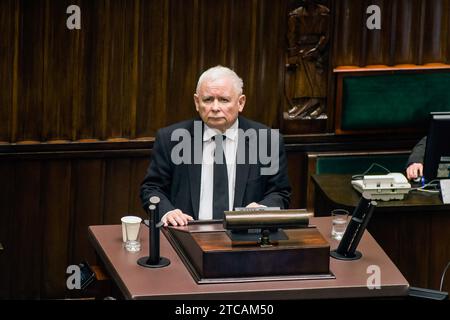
point(178, 186)
point(418, 152)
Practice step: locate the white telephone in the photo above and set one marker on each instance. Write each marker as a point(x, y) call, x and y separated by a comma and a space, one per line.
point(391, 186)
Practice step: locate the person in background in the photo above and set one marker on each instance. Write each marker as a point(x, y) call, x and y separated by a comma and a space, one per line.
point(414, 166)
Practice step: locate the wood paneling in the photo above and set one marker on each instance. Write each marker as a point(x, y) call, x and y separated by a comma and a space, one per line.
point(436, 31)
point(27, 233)
point(414, 243)
point(55, 215)
point(348, 28)
point(138, 168)
point(88, 207)
point(117, 190)
point(6, 228)
point(439, 253)
point(152, 109)
point(297, 178)
point(133, 66)
point(377, 41)
point(9, 26)
point(61, 65)
point(29, 109)
point(412, 32)
point(407, 32)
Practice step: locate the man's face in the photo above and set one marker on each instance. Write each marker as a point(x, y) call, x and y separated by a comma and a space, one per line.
point(218, 103)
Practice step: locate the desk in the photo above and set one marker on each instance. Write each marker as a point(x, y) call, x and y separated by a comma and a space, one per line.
point(175, 281)
point(414, 232)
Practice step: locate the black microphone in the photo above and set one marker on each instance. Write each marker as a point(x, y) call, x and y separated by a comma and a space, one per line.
point(153, 260)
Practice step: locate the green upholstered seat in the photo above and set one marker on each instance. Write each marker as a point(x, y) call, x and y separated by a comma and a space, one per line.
point(359, 164)
point(395, 100)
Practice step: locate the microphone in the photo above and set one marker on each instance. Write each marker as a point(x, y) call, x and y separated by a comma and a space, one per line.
point(153, 260)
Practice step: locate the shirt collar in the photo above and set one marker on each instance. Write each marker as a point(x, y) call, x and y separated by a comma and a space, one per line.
point(230, 133)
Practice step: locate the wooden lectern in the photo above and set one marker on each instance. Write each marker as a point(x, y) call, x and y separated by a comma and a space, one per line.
point(211, 256)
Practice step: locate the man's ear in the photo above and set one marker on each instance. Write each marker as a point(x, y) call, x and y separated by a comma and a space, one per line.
point(196, 101)
point(241, 102)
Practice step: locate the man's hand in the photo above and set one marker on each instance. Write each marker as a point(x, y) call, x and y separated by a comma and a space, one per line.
point(176, 218)
point(414, 170)
point(255, 205)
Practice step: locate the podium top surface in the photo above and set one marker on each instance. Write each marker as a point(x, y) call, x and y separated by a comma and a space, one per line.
point(175, 281)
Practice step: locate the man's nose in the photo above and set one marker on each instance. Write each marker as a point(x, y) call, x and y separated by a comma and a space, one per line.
point(215, 106)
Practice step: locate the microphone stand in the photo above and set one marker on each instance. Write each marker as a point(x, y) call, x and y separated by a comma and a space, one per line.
point(153, 260)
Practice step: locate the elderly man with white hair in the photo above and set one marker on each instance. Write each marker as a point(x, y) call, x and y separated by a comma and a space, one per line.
point(223, 160)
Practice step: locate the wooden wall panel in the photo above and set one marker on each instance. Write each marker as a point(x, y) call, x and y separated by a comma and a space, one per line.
point(95, 109)
point(88, 205)
point(436, 30)
point(88, 119)
point(133, 66)
point(378, 41)
point(212, 41)
point(414, 247)
point(121, 32)
point(137, 171)
point(117, 190)
point(152, 108)
point(407, 31)
point(182, 61)
point(6, 228)
point(61, 82)
point(27, 232)
point(9, 22)
point(348, 28)
point(297, 178)
point(30, 71)
point(269, 57)
point(412, 32)
point(55, 209)
point(439, 251)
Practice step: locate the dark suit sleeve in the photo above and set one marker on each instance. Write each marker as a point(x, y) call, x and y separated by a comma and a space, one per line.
point(418, 152)
point(157, 181)
point(278, 190)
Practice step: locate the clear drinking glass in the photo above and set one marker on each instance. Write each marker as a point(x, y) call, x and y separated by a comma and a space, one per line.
point(339, 220)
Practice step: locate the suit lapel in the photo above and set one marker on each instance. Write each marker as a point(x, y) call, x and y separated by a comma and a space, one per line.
point(195, 170)
point(242, 170)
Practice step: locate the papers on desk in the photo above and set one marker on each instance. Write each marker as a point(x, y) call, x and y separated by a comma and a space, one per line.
point(445, 190)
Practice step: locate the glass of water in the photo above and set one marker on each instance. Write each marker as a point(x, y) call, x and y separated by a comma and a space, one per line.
point(339, 219)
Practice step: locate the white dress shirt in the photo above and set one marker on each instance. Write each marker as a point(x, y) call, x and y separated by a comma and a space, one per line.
point(206, 183)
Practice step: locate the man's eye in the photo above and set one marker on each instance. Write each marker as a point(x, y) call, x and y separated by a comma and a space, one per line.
point(207, 100)
point(224, 100)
